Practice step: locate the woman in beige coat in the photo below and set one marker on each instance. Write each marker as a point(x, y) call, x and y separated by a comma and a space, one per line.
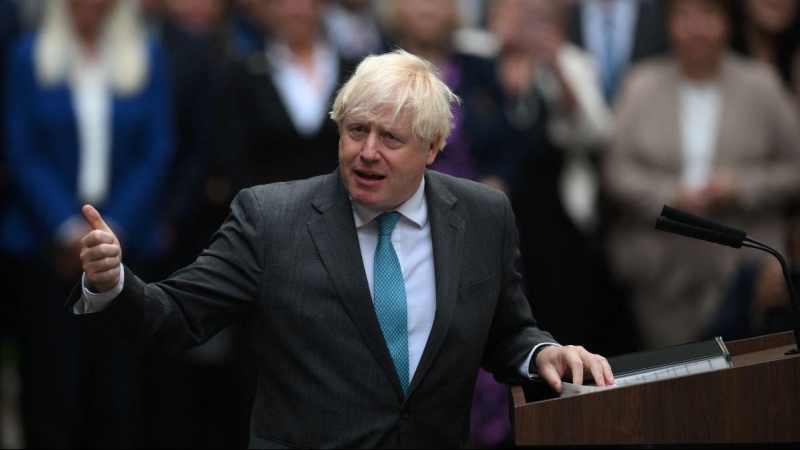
point(710, 133)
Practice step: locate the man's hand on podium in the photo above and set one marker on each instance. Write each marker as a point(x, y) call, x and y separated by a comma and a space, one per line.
point(101, 254)
point(556, 362)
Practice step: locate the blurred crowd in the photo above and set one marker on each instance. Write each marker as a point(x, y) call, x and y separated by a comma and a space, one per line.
point(589, 114)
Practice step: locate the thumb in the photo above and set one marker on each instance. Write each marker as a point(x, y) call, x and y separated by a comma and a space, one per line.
point(94, 219)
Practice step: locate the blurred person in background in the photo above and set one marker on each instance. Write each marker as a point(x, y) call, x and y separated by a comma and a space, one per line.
point(9, 28)
point(617, 33)
point(203, 44)
point(769, 31)
point(184, 29)
point(276, 115)
point(481, 146)
point(554, 102)
point(248, 29)
point(710, 133)
point(8, 31)
point(200, 47)
point(756, 302)
point(87, 119)
point(353, 27)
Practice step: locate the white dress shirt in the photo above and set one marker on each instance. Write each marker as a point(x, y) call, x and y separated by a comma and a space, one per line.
point(91, 99)
point(92, 103)
point(700, 111)
point(412, 242)
point(305, 90)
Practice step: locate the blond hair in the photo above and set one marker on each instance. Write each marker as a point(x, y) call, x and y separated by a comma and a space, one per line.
point(123, 47)
point(399, 82)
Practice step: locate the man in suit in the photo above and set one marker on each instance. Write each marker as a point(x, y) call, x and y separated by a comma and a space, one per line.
point(372, 294)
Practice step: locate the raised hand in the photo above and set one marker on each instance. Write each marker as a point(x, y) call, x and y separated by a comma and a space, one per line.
point(101, 254)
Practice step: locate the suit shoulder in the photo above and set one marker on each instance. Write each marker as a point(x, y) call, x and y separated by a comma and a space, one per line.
point(285, 197)
point(471, 193)
point(289, 190)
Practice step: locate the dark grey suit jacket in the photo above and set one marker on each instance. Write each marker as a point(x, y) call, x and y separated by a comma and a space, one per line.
point(287, 261)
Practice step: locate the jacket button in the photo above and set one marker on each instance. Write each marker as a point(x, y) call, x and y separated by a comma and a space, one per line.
point(404, 414)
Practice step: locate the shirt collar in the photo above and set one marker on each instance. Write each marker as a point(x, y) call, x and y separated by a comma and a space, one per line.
point(414, 209)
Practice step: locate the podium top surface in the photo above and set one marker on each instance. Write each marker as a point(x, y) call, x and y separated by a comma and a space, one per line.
point(756, 401)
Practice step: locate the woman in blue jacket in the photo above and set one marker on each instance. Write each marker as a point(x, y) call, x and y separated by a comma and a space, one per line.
point(87, 120)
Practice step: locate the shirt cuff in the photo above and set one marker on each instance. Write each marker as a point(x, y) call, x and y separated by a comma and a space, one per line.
point(91, 302)
point(524, 369)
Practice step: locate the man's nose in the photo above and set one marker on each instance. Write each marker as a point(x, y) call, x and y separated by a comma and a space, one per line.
point(370, 150)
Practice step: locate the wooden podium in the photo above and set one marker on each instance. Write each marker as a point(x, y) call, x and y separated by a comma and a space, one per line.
point(755, 401)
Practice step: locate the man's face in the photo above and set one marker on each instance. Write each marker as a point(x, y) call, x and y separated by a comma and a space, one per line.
point(382, 162)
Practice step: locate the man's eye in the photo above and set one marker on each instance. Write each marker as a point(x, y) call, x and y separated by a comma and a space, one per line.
point(358, 130)
point(390, 137)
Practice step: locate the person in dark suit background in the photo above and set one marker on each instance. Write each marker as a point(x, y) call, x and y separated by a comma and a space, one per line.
point(482, 146)
point(8, 30)
point(372, 294)
point(202, 46)
point(275, 120)
point(87, 118)
point(618, 33)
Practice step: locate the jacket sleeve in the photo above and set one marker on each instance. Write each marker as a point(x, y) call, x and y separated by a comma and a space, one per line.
point(514, 331)
point(196, 302)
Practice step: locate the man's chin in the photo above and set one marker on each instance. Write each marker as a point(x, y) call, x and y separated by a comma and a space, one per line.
point(367, 200)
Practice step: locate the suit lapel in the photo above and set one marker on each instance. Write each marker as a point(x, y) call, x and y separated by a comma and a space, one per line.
point(334, 235)
point(447, 233)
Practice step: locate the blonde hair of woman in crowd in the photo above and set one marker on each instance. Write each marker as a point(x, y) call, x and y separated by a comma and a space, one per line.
point(408, 82)
point(120, 45)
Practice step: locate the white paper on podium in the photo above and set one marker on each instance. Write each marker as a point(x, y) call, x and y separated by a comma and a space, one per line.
point(682, 370)
point(569, 389)
point(690, 368)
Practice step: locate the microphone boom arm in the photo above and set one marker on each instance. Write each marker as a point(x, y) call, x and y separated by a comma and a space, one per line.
point(752, 243)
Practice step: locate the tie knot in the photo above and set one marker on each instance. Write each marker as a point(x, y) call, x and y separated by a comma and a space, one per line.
point(387, 221)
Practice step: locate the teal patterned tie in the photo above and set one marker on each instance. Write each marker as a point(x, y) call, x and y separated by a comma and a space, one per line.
point(390, 296)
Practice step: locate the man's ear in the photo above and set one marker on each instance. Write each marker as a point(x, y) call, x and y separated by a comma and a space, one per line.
point(433, 150)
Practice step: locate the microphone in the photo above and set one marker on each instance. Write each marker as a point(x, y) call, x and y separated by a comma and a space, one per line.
point(716, 237)
point(697, 221)
point(685, 224)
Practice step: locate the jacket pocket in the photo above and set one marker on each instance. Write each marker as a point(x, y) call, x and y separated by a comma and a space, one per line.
point(476, 290)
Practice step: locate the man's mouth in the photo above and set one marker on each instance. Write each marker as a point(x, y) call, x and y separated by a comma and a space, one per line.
point(369, 176)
